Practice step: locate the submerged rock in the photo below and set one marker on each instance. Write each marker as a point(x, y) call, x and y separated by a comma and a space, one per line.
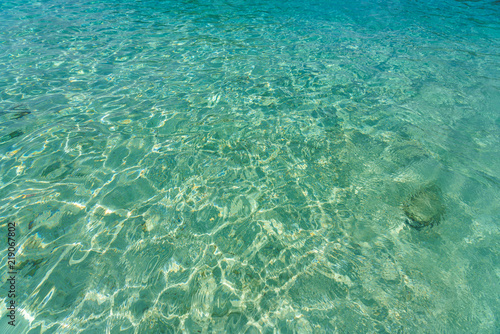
point(424, 208)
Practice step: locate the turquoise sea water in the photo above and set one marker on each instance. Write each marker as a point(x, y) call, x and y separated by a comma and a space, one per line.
point(251, 167)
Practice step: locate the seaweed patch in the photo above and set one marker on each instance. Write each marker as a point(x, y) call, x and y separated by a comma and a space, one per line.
point(425, 208)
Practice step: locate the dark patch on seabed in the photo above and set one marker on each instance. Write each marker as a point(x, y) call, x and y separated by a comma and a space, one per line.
point(12, 135)
point(425, 208)
point(12, 114)
point(16, 112)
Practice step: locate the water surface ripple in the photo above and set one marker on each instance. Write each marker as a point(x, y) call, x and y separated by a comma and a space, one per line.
point(265, 167)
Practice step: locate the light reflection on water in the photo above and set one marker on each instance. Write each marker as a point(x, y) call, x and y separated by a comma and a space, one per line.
point(226, 167)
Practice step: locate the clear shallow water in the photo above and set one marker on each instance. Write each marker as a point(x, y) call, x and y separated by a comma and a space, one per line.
point(229, 167)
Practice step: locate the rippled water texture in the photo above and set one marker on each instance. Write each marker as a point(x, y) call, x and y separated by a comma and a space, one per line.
point(251, 167)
